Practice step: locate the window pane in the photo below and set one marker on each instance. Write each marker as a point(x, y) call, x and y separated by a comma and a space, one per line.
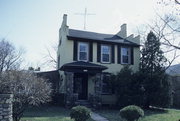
point(125, 55)
point(125, 59)
point(83, 56)
point(105, 53)
point(83, 47)
point(83, 51)
point(105, 49)
point(125, 51)
point(105, 57)
point(106, 87)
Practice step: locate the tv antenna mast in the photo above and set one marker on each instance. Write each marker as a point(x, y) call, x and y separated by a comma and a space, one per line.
point(85, 14)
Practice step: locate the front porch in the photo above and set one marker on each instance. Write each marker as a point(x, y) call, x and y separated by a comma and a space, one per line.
point(83, 83)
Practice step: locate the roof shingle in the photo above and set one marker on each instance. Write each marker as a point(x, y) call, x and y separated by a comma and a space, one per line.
point(98, 37)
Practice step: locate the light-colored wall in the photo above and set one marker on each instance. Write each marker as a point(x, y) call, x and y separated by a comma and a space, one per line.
point(90, 85)
point(66, 55)
point(65, 52)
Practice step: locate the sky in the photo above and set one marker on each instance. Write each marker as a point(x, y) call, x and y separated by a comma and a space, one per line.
point(34, 24)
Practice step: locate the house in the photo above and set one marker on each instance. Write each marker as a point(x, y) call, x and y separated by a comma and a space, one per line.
point(86, 59)
point(174, 73)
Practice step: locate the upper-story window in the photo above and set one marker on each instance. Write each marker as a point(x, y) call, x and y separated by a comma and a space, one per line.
point(105, 53)
point(83, 51)
point(125, 55)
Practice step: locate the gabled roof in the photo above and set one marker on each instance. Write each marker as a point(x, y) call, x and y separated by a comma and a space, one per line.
point(78, 34)
point(81, 66)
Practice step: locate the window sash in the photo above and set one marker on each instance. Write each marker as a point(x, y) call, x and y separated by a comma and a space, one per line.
point(106, 88)
point(125, 55)
point(105, 53)
point(83, 51)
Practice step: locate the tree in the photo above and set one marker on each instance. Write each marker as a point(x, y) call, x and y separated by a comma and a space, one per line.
point(10, 58)
point(27, 88)
point(167, 28)
point(152, 69)
point(50, 59)
point(127, 87)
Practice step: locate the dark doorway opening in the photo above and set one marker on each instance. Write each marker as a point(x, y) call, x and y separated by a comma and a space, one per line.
point(81, 85)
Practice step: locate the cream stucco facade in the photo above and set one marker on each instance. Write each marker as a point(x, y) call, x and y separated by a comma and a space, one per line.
point(65, 55)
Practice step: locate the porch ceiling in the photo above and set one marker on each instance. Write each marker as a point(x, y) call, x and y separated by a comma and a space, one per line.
point(81, 66)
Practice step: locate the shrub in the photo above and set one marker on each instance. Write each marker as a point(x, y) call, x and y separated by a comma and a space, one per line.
point(131, 113)
point(80, 113)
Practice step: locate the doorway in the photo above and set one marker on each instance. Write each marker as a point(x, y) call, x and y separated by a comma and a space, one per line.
point(81, 85)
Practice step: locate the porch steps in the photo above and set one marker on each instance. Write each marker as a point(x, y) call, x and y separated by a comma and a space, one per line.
point(83, 103)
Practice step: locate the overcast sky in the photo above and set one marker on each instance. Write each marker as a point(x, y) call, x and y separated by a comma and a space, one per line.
point(34, 24)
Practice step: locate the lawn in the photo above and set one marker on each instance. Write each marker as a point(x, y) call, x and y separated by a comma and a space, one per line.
point(150, 115)
point(47, 113)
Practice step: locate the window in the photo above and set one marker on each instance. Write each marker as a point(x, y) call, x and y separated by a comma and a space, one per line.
point(83, 51)
point(125, 55)
point(105, 53)
point(107, 87)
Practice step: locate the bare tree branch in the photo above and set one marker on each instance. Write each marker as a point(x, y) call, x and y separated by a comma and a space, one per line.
point(177, 2)
point(10, 58)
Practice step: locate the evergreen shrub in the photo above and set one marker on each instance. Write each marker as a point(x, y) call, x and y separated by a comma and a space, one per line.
point(80, 113)
point(131, 113)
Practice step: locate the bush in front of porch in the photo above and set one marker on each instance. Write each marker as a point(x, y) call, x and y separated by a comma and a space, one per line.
point(80, 113)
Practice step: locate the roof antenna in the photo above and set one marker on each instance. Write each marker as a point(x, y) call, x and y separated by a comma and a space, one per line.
point(85, 14)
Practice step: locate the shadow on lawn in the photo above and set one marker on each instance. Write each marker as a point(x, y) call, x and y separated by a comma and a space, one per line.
point(46, 111)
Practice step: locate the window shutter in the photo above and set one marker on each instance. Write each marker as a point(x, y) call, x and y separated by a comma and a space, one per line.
point(119, 55)
point(112, 53)
point(132, 56)
point(75, 50)
point(91, 52)
point(98, 52)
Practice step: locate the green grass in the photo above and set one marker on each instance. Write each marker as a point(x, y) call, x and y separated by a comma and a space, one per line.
point(150, 115)
point(47, 113)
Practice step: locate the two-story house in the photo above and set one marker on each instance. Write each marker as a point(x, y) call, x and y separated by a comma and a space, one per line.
point(86, 58)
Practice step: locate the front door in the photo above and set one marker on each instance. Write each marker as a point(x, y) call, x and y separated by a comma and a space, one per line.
point(81, 85)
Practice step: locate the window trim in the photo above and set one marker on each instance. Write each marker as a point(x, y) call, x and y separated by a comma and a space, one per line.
point(129, 55)
point(106, 53)
point(87, 45)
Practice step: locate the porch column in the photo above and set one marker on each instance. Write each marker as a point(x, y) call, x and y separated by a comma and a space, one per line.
point(97, 101)
point(98, 84)
point(69, 77)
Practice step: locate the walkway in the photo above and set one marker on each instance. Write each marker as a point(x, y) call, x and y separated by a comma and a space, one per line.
point(97, 117)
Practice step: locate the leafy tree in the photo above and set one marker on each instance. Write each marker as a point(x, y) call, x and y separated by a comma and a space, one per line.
point(27, 89)
point(153, 75)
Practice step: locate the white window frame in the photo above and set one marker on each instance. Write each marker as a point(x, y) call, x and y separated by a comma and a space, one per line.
point(105, 53)
point(87, 50)
point(129, 55)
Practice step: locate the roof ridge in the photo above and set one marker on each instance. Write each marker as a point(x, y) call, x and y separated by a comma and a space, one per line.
point(92, 32)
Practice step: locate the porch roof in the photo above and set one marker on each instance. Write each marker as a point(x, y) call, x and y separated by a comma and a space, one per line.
point(81, 66)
